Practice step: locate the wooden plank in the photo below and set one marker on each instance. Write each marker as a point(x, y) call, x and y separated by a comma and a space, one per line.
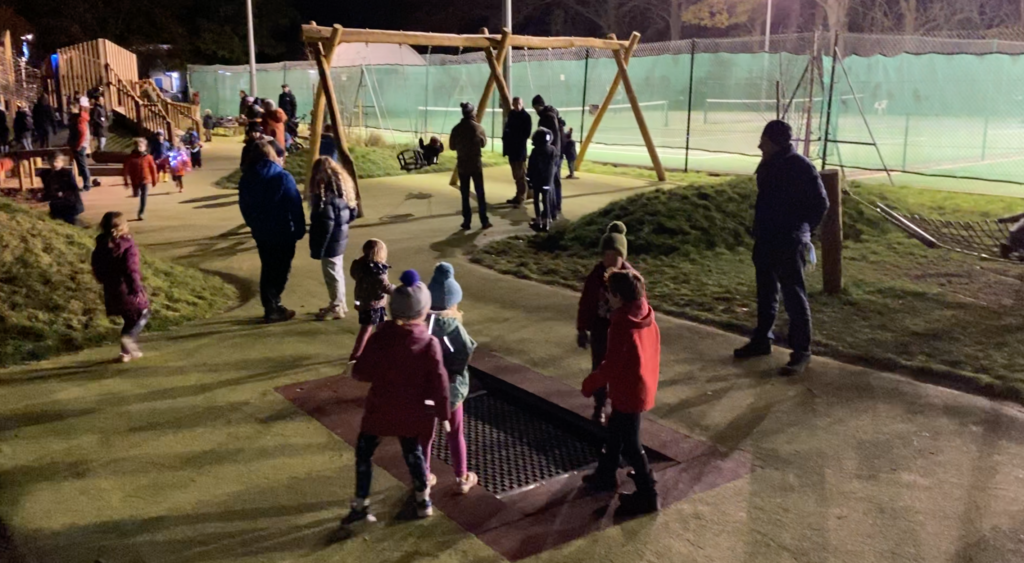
point(323, 66)
point(607, 102)
point(499, 79)
point(317, 34)
point(316, 123)
point(638, 113)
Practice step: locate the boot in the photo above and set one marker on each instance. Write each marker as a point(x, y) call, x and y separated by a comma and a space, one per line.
point(601, 481)
point(797, 364)
point(635, 504)
point(753, 349)
point(359, 512)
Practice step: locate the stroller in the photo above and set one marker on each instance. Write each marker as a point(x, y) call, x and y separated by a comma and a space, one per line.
point(291, 131)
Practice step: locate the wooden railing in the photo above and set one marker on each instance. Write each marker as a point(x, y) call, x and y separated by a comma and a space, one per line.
point(149, 116)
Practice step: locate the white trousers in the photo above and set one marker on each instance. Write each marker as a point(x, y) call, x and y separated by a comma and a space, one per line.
point(334, 277)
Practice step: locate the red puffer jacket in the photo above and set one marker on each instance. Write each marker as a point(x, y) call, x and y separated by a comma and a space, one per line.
point(631, 367)
point(405, 368)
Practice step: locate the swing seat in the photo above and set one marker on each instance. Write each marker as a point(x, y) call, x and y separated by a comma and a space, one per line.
point(411, 159)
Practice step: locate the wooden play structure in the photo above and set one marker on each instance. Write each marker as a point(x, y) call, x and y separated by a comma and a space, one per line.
point(323, 40)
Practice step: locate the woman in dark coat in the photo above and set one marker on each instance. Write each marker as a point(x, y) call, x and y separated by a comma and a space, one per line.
point(332, 207)
point(115, 264)
point(61, 190)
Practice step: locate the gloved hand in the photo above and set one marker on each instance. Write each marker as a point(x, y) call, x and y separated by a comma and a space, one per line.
point(447, 426)
point(582, 339)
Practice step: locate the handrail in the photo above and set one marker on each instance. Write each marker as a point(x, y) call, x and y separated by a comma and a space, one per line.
point(151, 116)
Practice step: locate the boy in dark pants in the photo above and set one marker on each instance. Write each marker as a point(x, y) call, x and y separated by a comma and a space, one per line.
point(630, 373)
point(540, 175)
point(594, 314)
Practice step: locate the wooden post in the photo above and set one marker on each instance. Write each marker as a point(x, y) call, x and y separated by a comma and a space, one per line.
point(607, 101)
point(323, 65)
point(832, 234)
point(316, 124)
point(637, 112)
point(499, 78)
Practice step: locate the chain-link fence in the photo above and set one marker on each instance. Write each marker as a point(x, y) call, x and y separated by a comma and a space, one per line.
point(938, 105)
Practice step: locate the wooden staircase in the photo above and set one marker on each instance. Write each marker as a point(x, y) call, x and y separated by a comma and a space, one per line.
point(141, 104)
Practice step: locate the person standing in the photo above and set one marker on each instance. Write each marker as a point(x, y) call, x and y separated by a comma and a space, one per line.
point(272, 209)
point(78, 142)
point(332, 206)
point(243, 103)
point(208, 123)
point(140, 173)
point(5, 132)
point(791, 202)
point(98, 123)
point(518, 128)
point(541, 175)
point(115, 264)
point(569, 154)
point(548, 118)
point(23, 127)
point(467, 140)
point(273, 122)
point(286, 101)
point(44, 120)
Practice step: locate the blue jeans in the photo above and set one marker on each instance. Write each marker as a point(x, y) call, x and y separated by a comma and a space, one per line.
point(481, 200)
point(367, 444)
point(783, 269)
point(556, 198)
point(83, 169)
point(143, 192)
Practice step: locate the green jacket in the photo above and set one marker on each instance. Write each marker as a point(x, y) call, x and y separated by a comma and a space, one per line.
point(457, 347)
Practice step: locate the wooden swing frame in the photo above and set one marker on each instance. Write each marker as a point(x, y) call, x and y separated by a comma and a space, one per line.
point(323, 41)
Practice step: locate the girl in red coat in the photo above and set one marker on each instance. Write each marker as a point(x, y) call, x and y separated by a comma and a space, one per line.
point(408, 391)
point(630, 373)
point(115, 263)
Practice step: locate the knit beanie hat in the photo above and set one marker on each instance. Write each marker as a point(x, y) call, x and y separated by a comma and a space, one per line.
point(615, 238)
point(411, 299)
point(468, 109)
point(538, 100)
point(445, 292)
point(779, 133)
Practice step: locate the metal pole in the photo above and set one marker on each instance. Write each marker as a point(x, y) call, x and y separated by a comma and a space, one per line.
point(252, 50)
point(768, 28)
point(906, 136)
point(506, 69)
point(583, 110)
point(689, 106)
point(831, 90)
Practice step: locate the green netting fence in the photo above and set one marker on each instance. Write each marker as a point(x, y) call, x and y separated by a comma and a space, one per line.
point(936, 106)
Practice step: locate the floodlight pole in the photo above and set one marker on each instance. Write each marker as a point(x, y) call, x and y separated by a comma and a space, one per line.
point(252, 50)
point(506, 68)
point(768, 28)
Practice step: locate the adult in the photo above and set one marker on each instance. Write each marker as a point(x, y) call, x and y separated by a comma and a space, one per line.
point(98, 123)
point(518, 128)
point(253, 109)
point(250, 148)
point(332, 206)
point(287, 102)
point(5, 132)
point(272, 208)
point(243, 103)
point(547, 117)
point(78, 142)
point(273, 122)
point(45, 121)
point(23, 127)
point(791, 201)
point(468, 140)
point(61, 191)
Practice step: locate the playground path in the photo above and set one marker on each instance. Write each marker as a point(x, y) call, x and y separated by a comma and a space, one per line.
point(189, 455)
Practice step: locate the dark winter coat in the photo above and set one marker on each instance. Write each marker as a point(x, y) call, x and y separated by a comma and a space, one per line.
point(569, 147)
point(208, 122)
point(328, 148)
point(98, 121)
point(430, 152)
point(548, 119)
point(43, 117)
point(329, 218)
point(791, 201)
point(540, 169)
point(22, 123)
point(270, 203)
point(61, 190)
point(468, 140)
point(631, 365)
point(5, 128)
point(115, 264)
point(251, 153)
point(594, 306)
point(457, 347)
point(372, 285)
point(404, 366)
point(517, 131)
point(243, 107)
point(286, 101)
point(158, 149)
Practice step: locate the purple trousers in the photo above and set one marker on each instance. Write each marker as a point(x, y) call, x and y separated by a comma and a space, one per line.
point(456, 444)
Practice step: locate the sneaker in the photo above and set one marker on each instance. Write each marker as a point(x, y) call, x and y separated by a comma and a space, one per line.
point(796, 365)
point(486, 226)
point(466, 226)
point(635, 504)
point(600, 482)
point(514, 202)
point(280, 316)
point(753, 349)
point(431, 480)
point(124, 358)
point(359, 512)
point(141, 218)
point(468, 481)
point(330, 313)
point(424, 508)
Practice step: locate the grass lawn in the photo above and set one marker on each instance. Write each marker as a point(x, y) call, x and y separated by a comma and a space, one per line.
point(929, 312)
point(50, 303)
point(371, 162)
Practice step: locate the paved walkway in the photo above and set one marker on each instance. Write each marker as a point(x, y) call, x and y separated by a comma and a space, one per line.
point(189, 455)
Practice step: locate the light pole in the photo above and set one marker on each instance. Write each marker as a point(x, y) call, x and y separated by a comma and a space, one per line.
point(768, 28)
point(252, 50)
point(507, 65)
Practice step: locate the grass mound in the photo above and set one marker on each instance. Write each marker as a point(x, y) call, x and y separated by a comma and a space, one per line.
point(50, 303)
point(904, 307)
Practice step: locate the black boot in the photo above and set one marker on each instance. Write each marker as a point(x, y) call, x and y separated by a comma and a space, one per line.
point(601, 481)
point(797, 364)
point(635, 504)
point(753, 349)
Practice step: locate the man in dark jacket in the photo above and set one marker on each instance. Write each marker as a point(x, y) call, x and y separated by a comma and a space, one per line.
point(286, 101)
point(517, 131)
point(272, 208)
point(243, 102)
point(547, 117)
point(791, 201)
point(250, 147)
point(98, 123)
point(468, 139)
point(45, 121)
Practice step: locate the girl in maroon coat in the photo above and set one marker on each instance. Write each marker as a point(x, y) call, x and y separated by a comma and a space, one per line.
point(115, 263)
point(408, 391)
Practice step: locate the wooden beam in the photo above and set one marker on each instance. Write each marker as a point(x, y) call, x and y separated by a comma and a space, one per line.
point(323, 66)
point(316, 124)
point(607, 101)
point(316, 34)
point(832, 234)
point(499, 78)
point(627, 85)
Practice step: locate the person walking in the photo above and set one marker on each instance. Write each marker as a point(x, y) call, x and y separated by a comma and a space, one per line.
point(78, 142)
point(98, 123)
point(548, 118)
point(272, 209)
point(160, 150)
point(273, 122)
point(23, 127)
point(332, 207)
point(140, 174)
point(518, 127)
point(61, 191)
point(115, 264)
point(287, 102)
point(45, 121)
point(791, 202)
point(208, 124)
point(467, 140)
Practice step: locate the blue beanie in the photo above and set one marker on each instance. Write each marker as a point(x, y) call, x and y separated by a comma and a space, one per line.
point(445, 292)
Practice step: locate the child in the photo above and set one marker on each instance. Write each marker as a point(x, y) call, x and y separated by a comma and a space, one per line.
point(179, 164)
point(569, 152)
point(140, 173)
point(432, 150)
point(445, 323)
point(408, 391)
point(115, 264)
point(631, 376)
point(208, 124)
point(195, 147)
point(594, 314)
point(61, 190)
point(372, 289)
point(540, 176)
point(1015, 240)
point(332, 208)
point(159, 149)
